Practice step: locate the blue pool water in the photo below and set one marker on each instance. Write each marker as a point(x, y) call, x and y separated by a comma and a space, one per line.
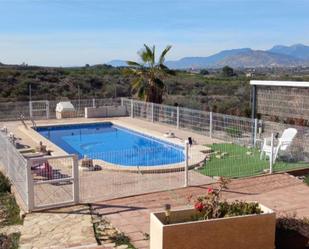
point(113, 144)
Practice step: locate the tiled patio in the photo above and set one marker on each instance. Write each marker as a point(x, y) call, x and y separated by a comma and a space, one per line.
point(72, 228)
point(281, 192)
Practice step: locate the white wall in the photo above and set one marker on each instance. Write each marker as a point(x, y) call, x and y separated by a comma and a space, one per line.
point(105, 111)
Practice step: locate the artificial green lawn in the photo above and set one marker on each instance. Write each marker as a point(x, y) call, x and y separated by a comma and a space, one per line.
point(237, 163)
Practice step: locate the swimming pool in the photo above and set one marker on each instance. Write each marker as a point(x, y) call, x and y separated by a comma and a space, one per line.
point(113, 144)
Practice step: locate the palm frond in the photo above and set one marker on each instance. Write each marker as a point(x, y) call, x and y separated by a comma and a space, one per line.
point(166, 70)
point(148, 55)
point(141, 92)
point(134, 64)
point(153, 54)
point(159, 84)
point(146, 58)
point(164, 52)
point(136, 84)
point(147, 83)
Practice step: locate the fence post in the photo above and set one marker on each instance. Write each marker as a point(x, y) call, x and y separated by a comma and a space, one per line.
point(186, 164)
point(47, 109)
point(7, 164)
point(152, 118)
point(30, 187)
point(30, 109)
point(260, 129)
point(255, 131)
point(210, 124)
point(76, 179)
point(271, 158)
point(177, 117)
point(132, 108)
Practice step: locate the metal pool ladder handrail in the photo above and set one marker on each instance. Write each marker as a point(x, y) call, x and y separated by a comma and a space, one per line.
point(22, 119)
point(33, 123)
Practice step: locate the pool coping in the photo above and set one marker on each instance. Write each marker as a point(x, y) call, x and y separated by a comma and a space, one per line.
point(199, 151)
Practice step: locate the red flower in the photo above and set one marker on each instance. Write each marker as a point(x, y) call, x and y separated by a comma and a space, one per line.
point(199, 206)
point(210, 191)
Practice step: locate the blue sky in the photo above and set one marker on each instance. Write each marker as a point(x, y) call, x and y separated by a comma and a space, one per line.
point(76, 32)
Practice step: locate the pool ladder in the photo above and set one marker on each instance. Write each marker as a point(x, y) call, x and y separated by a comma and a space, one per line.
point(22, 119)
point(33, 123)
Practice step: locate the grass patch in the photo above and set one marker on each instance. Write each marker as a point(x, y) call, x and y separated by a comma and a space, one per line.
point(9, 210)
point(231, 160)
point(307, 179)
point(122, 239)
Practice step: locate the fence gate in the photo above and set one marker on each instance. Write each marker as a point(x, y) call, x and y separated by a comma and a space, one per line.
point(39, 109)
point(53, 182)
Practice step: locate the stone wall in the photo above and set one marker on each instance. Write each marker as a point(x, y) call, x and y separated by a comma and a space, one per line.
point(283, 102)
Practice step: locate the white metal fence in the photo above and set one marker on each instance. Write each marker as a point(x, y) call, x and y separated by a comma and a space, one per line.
point(215, 125)
point(40, 182)
point(14, 166)
point(46, 109)
point(238, 153)
point(130, 172)
point(54, 181)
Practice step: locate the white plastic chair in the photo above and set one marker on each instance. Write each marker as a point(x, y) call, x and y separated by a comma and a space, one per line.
point(283, 143)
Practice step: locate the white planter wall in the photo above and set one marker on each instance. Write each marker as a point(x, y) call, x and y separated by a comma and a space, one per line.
point(240, 232)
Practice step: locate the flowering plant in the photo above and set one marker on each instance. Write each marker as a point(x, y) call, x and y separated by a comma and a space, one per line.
point(209, 205)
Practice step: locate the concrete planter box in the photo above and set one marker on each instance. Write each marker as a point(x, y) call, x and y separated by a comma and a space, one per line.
point(239, 232)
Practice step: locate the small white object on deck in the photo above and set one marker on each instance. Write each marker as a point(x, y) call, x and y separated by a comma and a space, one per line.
point(169, 134)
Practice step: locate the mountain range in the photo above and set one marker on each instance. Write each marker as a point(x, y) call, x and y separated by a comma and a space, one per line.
point(278, 56)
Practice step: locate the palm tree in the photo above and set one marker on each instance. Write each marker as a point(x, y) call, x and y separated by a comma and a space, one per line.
point(148, 84)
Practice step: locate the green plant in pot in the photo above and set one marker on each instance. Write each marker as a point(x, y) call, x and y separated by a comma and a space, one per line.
point(210, 206)
point(292, 232)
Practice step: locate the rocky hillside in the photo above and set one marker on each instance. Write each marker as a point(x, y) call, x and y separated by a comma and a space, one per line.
point(278, 56)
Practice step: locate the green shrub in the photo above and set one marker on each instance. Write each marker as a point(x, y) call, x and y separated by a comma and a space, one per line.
point(9, 241)
point(233, 131)
point(292, 223)
point(238, 208)
point(5, 185)
point(307, 179)
point(11, 211)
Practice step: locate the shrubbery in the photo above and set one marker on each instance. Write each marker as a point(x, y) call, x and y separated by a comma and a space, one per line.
point(5, 185)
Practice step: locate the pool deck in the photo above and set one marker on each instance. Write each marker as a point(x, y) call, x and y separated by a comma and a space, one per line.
point(27, 137)
point(196, 152)
point(109, 184)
